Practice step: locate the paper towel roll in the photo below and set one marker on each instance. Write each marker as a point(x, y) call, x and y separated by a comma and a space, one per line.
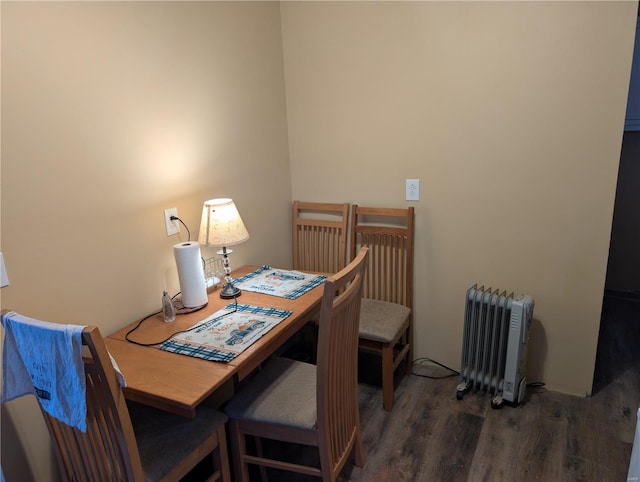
point(190, 274)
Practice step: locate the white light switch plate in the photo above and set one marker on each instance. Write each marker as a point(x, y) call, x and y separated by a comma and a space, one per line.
point(413, 189)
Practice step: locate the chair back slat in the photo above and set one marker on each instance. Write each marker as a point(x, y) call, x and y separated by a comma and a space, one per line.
point(337, 391)
point(320, 236)
point(388, 233)
point(107, 450)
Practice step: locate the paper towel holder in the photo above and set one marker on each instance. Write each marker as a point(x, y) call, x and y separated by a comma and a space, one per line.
point(191, 276)
point(221, 226)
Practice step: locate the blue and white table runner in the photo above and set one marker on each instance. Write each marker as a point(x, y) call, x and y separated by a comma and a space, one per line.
point(226, 333)
point(279, 282)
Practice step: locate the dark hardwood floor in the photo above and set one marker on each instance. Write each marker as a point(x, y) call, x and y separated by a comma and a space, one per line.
point(431, 436)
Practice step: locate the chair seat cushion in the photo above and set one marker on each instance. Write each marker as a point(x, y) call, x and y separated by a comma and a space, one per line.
point(164, 439)
point(283, 392)
point(382, 321)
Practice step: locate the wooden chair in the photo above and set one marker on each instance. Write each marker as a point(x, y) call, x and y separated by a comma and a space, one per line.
point(320, 236)
point(135, 443)
point(386, 318)
point(297, 402)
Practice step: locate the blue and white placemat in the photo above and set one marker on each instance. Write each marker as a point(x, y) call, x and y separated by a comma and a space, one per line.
point(227, 333)
point(279, 282)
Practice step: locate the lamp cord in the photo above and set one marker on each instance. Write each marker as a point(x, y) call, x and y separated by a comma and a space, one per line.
point(126, 337)
point(176, 218)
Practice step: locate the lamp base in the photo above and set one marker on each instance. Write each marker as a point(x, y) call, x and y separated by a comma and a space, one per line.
point(229, 291)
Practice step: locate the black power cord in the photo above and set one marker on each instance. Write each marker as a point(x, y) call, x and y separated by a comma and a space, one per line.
point(176, 218)
point(540, 386)
point(235, 308)
point(454, 373)
point(421, 361)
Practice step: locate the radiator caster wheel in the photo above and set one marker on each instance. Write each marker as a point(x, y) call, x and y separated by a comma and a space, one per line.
point(497, 402)
point(461, 389)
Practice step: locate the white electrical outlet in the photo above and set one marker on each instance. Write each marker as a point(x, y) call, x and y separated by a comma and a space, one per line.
point(413, 189)
point(171, 226)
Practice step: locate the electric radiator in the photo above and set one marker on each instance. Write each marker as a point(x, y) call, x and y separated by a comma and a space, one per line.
point(496, 331)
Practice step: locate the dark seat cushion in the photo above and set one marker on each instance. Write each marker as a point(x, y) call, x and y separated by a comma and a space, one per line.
point(164, 438)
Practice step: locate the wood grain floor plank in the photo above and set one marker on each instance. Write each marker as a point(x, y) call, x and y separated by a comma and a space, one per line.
point(459, 439)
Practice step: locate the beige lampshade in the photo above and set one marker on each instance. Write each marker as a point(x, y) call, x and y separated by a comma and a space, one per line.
point(221, 224)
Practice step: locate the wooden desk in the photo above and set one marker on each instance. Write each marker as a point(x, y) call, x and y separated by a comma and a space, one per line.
point(165, 380)
point(178, 383)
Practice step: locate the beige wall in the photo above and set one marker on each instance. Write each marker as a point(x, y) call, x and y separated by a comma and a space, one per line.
point(510, 114)
point(112, 112)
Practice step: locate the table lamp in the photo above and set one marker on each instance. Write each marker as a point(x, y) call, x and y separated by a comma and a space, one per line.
point(222, 226)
